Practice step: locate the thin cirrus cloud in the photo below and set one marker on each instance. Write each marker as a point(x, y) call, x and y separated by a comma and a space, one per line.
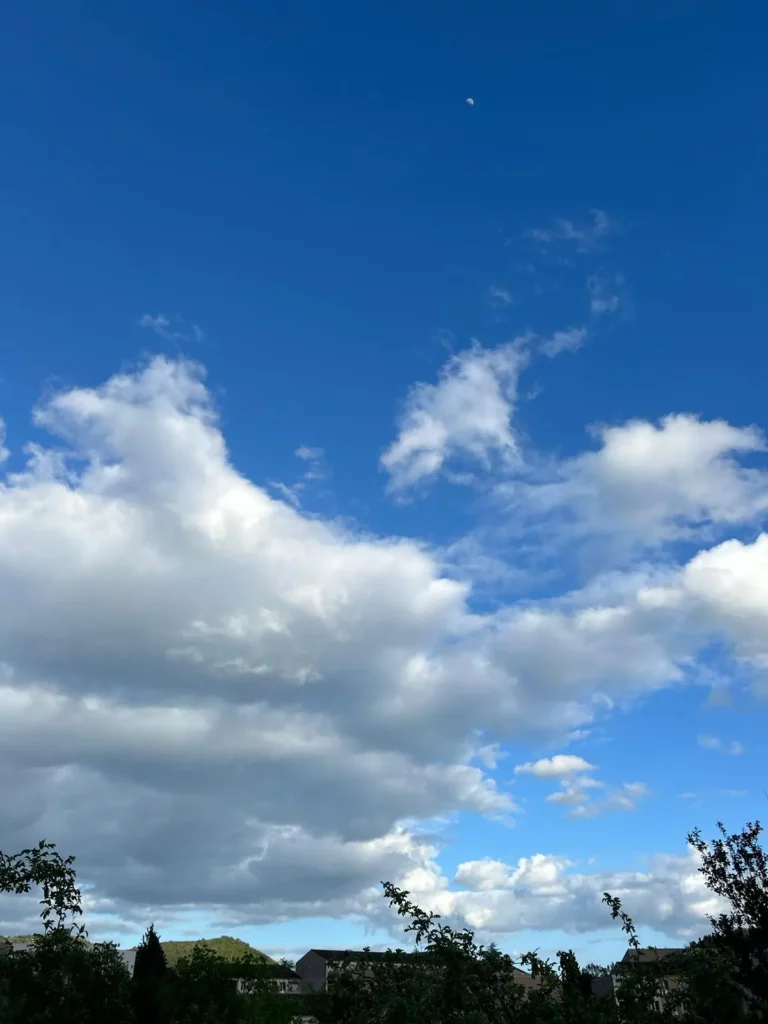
point(604, 294)
point(732, 747)
point(569, 340)
point(315, 472)
point(171, 328)
point(584, 237)
point(500, 297)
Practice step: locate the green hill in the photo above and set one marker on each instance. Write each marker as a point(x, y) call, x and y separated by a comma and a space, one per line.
point(26, 938)
point(225, 945)
point(16, 938)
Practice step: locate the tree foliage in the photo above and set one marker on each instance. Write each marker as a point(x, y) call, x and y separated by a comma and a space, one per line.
point(149, 975)
point(61, 977)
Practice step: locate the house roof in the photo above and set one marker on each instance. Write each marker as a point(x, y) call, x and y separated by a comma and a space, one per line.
point(521, 977)
point(280, 971)
point(649, 955)
point(525, 979)
point(358, 954)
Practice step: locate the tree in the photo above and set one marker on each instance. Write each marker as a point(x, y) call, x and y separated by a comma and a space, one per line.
point(149, 974)
point(206, 988)
point(62, 980)
point(43, 865)
point(449, 979)
point(736, 868)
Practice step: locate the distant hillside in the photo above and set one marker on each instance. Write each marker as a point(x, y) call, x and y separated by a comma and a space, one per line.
point(226, 946)
point(26, 938)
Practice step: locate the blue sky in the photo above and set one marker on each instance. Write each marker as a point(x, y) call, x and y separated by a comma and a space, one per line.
point(439, 341)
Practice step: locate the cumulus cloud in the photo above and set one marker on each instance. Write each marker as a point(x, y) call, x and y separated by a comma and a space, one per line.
point(467, 413)
point(650, 483)
point(545, 892)
point(211, 698)
point(560, 766)
point(189, 661)
point(466, 418)
point(729, 587)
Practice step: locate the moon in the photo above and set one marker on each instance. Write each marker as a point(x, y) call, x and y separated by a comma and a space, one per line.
point(470, 101)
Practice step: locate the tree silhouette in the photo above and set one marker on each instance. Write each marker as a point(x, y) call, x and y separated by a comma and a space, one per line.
point(149, 974)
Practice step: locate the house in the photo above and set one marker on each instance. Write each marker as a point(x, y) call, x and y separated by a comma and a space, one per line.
point(526, 980)
point(128, 956)
point(317, 966)
point(287, 980)
point(669, 980)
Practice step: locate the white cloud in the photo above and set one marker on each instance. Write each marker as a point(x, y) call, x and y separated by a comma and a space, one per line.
point(544, 892)
point(226, 664)
point(732, 747)
point(586, 237)
point(649, 483)
point(168, 329)
point(604, 297)
point(564, 341)
point(4, 453)
point(571, 772)
point(500, 296)
point(483, 874)
point(560, 766)
point(209, 697)
point(316, 471)
point(466, 413)
point(623, 798)
point(315, 462)
point(466, 417)
point(574, 791)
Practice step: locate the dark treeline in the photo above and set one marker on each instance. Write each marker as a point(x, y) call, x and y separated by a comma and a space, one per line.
point(61, 978)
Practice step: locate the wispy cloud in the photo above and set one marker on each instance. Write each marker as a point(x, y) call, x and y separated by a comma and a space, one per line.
point(604, 293)
point(171, 328)
point(732, 747)
point(563, 341)
point(576, 780)
point(585, 237)
point(316, 471)
point(625, 798)
point(500, 297)
point(315, 462)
